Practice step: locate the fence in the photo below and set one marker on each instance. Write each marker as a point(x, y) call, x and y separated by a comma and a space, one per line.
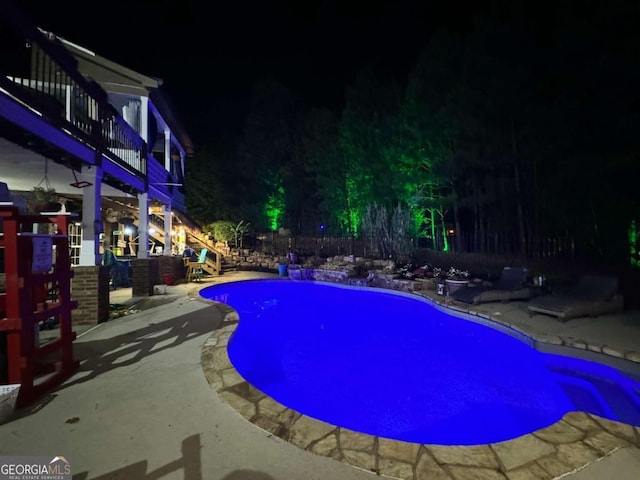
point(327, 246)
point(501, 243)
point(320, 246)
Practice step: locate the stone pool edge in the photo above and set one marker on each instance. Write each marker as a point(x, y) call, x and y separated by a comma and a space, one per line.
point(571, 444)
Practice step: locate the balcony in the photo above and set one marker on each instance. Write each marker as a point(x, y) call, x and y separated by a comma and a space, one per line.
point(43, 95)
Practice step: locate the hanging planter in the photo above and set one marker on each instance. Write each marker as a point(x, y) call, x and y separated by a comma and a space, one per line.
point(43, 199)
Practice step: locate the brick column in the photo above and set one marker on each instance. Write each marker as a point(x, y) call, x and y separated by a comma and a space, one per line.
point(144, 275)
point(90, 287)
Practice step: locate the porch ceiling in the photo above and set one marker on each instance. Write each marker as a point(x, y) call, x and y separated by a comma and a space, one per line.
point(22, 169)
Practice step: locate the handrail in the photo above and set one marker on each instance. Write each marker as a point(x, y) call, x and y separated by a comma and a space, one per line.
point(156, 220)
point(54, 50)
point(58, 90)
point(211, 248)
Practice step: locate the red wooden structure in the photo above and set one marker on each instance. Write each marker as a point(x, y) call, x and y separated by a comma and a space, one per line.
point(38, 288)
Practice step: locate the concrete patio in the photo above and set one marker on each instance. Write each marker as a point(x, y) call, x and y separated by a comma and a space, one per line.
point(142, 407)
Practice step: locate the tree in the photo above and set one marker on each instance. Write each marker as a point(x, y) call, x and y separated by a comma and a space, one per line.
point(204, 188)
point(366, 138)
point(326, 169)
point(267, 154)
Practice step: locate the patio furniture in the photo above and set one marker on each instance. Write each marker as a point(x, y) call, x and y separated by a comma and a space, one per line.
point(593, 295)
point(194, 269)
point(510, 286)
point(118, 269)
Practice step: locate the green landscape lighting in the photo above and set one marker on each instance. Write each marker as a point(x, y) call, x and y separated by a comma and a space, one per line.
point(274, 208)
point(419, 221)
point(633, 245)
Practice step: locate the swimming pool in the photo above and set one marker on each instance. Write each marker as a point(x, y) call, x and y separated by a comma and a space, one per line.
point(394, 366)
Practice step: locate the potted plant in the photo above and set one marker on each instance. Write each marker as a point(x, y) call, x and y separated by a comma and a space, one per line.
point(448, 281)
point(456, 279)
point(43, 199)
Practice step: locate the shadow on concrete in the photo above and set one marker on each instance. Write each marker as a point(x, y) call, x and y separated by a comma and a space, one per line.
point(100, 356)
point(153, 301)
point(189, 463)
point(247, 475)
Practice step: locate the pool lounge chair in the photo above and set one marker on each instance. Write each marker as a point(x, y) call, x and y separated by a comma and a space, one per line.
point(593, 295)
point(510, 286)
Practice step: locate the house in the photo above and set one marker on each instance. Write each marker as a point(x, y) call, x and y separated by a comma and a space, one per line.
point(103, 138)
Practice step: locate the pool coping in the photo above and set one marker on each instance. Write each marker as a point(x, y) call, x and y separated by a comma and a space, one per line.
point(576, 441)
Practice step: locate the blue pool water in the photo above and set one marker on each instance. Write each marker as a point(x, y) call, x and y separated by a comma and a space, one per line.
point(394, 366)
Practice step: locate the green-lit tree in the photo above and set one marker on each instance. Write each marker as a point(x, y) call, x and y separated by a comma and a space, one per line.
point(326, 169)
point(366, 138)
point(267, 155)
point(429, 128)
point(275, 204)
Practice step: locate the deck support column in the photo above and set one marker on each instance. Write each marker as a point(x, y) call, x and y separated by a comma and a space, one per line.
point(143, 225)
point(92, 225)
point(166, 208)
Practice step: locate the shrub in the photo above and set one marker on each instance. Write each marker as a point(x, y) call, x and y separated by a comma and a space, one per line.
point(387, 234)
point(221, 231)
point(224, 231)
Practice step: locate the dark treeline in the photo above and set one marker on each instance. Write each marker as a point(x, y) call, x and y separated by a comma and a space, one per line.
point(525, 125)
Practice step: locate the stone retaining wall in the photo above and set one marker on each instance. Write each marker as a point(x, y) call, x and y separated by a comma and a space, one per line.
point(373, 279)
point(251, 260)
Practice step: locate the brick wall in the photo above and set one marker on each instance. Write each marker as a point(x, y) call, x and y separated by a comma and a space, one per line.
point(90, 287)
point(147, 272)
point(171, 265)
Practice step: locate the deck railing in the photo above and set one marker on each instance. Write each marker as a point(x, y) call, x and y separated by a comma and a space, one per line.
point(55, 89)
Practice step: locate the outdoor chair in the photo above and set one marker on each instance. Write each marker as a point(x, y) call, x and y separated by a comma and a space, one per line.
point(593, 295)
point(510, 286)
point(118, 269)
point(194, 269)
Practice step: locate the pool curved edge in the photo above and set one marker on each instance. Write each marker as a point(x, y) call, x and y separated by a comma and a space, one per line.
point(574, 442)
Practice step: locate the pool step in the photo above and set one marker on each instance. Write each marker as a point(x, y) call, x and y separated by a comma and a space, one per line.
point(618, 401)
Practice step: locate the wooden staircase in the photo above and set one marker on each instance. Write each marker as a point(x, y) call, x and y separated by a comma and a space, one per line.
point(195, 239)
point(198, 241)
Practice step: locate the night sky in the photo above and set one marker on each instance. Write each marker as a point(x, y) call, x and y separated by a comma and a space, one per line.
point(545, 86)
point(211, 53)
